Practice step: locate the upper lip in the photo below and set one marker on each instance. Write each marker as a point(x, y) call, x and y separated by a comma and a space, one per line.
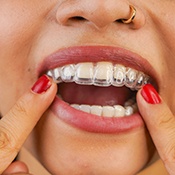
point(77, 54)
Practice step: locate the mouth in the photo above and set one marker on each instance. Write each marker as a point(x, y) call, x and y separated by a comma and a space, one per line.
point(98, 94)
point(101, 88)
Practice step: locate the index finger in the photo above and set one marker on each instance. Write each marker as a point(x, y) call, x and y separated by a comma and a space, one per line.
point(161, 124)
point(21, 119)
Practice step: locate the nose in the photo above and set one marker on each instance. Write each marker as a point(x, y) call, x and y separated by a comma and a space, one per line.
point(100, 13)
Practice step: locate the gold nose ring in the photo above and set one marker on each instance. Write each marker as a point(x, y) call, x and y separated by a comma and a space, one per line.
point(132, 16)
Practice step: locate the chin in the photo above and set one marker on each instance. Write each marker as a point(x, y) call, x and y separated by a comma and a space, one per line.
point(63, 149)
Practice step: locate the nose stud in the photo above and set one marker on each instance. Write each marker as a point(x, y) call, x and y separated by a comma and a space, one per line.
point(132, 15)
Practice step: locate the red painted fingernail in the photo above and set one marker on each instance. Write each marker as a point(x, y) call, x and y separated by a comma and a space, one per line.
point(150, 95)
point(42, 85)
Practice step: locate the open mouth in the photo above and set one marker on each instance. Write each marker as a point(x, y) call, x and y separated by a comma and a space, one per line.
point(97, 87)
point(102, 88)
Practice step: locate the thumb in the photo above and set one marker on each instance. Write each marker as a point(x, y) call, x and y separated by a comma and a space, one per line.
point(16, 167)
point(160, 122)
point(17, 124)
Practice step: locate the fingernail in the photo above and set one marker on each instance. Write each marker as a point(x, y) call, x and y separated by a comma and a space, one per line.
point(42, 85)
point(150, 95)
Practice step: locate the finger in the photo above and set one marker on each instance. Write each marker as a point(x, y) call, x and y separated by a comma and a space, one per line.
point(21, 119)
point(16, 167)
point(160, 123)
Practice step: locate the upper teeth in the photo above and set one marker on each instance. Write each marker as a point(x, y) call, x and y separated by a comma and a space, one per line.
point(99, 74)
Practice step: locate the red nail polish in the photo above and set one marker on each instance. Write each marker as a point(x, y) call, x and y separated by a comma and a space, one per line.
point(150, 94)
point(42, 85)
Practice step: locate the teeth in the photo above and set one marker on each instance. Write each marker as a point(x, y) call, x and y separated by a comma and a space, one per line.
point(68, 73)
point(84, 73)
point(107, 111)
point(131, 76)
point(119, 111)
point(119, 76)
point(100, 74)
point(76, 106)
point(129, 110)
point(103, 74)
point(97, 110)
point(85, 108)
point(140, 80)
point(130, 102)
point(55, 74)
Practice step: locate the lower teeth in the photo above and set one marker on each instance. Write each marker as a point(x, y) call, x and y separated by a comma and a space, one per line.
point(129, 108)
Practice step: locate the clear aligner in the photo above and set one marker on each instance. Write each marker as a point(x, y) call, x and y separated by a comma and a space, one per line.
point(100, 74)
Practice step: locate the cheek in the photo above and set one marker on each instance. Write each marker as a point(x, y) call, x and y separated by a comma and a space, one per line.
point(20, 23)
point(17, 31)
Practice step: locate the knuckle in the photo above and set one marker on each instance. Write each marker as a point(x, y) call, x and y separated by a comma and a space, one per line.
point(4, 140)
point(165, 121)
point(19, 108)
point(169, 155)
point(7, 151)
point(8, 142)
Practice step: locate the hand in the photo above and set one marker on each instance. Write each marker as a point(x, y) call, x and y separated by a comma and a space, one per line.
point(161, 124)
point(17, 124)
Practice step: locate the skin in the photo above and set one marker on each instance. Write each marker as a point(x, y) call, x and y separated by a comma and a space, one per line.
point(31, 30)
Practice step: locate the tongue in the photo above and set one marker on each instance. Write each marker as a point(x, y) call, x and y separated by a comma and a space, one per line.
point(93, 95)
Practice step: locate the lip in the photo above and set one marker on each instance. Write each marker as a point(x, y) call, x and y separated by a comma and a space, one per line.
point(85, 121)
point(77, 54)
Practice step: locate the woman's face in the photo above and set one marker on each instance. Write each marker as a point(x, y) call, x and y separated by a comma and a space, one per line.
point(38, 36)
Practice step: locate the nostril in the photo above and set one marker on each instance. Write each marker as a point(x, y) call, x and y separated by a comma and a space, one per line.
point(119, 21)
point(98, 13)
point(78, 18)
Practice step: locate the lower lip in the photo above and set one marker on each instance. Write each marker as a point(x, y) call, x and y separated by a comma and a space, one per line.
point(93, 123)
